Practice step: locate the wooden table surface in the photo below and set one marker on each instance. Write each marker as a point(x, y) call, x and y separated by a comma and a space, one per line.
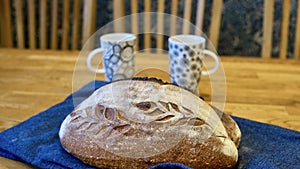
point(258, 89)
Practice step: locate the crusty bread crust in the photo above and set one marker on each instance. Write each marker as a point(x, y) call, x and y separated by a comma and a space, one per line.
point(156, 127)
point(205, 155)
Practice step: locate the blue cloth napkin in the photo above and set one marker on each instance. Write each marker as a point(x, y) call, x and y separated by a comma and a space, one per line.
point(35, 141)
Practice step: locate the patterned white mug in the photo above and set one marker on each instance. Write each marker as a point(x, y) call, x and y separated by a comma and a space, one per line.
point(186, 53)
point(118, 53)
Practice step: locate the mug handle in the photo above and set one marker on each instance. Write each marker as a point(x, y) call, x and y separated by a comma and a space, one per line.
point(89, 61)
point(215, 68)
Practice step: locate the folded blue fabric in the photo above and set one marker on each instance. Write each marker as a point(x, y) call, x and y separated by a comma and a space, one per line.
point(35, 141)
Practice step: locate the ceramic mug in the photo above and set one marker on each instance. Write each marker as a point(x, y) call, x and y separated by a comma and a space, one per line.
point(186, 53)
point(118, 53)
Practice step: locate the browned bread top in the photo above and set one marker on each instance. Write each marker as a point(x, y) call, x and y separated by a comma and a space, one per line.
point(137, 123)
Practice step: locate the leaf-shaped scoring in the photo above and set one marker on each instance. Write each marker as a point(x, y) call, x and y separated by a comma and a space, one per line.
point(168, 112)
point(110, 122)
point(100, 120)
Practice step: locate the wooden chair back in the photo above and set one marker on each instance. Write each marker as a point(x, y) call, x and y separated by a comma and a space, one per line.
point(67, 24)
point(268, 25)
point(51, 24)
point(119, 11)
point(57, 24)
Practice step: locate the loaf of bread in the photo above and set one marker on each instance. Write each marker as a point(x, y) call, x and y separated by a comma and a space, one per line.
point(138, 123)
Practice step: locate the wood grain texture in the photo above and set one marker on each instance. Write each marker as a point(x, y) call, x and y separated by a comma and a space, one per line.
point(134, 21)
point(264, 90)
point(43, 24)
point(214, 28)
point(65, 25)
point(267, 28)
point(297, 35)
point(6, 24)
point(32, 24)
point(147, 24)
point(54, 25)
point(200, 16)
point(76, 24)
point(284, 37)
point(160, 25)
point(20, 23)
point(6, 163)
point(89, 19)
point(187, 16)
point(174, 13)
point(119, 12)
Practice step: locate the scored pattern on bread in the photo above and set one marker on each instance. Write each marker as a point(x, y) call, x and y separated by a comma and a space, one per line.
point(104, 121)
point(160, 112)
point(143, 123)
